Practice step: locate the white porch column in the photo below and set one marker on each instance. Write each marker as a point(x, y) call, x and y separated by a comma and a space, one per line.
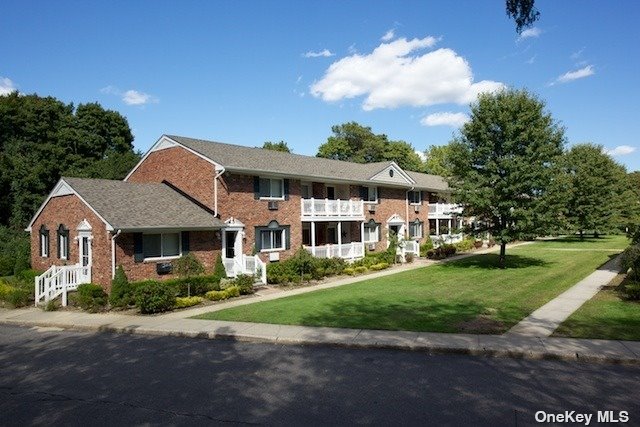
point(449, 226)
point(437, 227)
point(362, 237)
point(339, 239)
point(313, 238)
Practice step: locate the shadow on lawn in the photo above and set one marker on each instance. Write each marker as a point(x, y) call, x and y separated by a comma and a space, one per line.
point(408, 314)
point(490, 262)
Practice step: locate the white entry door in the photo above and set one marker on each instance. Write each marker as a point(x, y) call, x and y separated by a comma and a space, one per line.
point(85, 255)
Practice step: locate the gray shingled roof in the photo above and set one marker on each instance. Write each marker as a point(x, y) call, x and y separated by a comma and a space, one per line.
point(250, 159)
point(131, 206)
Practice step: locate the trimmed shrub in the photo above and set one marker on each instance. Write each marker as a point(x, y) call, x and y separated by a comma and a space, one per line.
point(5, 288)
point(465, 245)
point(18, 297)
point(154, 297)
point(121, 290)
point(91, 297)
point(218, 270)
point(28, 275)
point(331, 266)
point(431, 254)
point(188, 265)
point(350, 271)
point(631, 260)
point(379, 266)
point(216, 295)
point(631, 290)
point(245, 282)
point(492, 242)
point(232, 291)
point(183, 302)
point(361, 269)
point(426, 246)
point(448, 250)
point(279, 273)
point(408, 257)
point(194, 285)
point(477, 244)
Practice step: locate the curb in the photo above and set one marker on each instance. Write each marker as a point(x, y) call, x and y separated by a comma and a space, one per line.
point(430, 349)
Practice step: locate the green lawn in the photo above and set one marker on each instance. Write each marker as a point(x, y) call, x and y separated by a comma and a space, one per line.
point(470, 295)
point(605, 316)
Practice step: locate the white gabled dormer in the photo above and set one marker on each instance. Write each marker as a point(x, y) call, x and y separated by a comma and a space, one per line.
point(392, 174)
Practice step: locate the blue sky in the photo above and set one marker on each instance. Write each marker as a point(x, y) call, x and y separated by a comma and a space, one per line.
point(250, 71)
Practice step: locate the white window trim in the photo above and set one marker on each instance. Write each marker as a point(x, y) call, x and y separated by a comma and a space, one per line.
point(64, 245)
point(163, 258)
point(375, 188)
point(270, 188)
point(377, 233)
point(416, 203)
point(284, 243)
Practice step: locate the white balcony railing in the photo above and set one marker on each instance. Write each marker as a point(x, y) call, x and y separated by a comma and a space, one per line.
point(332, 209)
point(446, 238)
point(443, 209)
point(351, 250)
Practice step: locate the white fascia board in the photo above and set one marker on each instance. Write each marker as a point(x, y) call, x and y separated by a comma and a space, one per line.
point(62, 188)
point(165, 142)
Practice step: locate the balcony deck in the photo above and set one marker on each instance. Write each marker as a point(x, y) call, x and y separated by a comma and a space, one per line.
point(443, 210)
point(332, 210)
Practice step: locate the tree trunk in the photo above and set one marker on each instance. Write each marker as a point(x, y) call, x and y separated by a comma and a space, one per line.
point(503, 256)
point(581, 235)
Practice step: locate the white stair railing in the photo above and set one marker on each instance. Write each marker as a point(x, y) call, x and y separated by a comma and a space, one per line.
point(59, 281)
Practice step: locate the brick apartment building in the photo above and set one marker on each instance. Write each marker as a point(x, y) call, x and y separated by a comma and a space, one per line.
point(252, 206)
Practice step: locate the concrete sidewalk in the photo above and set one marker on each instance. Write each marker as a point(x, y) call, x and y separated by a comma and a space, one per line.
point(545, 320)
point(626, 352)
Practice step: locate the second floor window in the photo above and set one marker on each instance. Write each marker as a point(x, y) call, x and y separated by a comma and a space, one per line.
point(271, 188)
point(415, 197)
point(369, 194)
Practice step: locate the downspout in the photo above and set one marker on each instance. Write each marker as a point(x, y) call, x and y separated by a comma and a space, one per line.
point(113, 253)
point(215, 190)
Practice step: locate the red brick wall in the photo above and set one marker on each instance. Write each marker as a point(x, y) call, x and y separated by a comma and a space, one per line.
point(181, 168)
point(236, 199)
point(203, 244)
point(70, 211)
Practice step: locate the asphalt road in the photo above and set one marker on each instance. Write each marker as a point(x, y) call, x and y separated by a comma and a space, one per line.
point(50, 377)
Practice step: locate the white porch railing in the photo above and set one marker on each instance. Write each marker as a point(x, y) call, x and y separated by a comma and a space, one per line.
point(446, 238)
point(331, 209)
point(443, 210)
point(246, 264)
point(353, 250)
point(411, 247)
point(59, 281)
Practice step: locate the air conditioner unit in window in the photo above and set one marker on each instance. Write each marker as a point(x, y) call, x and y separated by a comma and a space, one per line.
point(371, 208)
point(371, 246)
point(274, 256)
point(273, 205)
point(416, 208)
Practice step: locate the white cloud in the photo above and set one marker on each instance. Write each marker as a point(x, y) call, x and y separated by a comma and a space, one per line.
point(576, 55)
point(445, 119)
point(530, 33)
point(6, 86)
point(531, 60)
point(421, 154)
point(391, 77)
point(389, 35)
point(131, 96)
point(352, 49)
point(326, 53)
point(575, 75)
point(621, 150)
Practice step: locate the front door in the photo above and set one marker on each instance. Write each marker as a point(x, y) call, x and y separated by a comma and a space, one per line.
point(85, 256)
point(230, 243)
point(395, 229)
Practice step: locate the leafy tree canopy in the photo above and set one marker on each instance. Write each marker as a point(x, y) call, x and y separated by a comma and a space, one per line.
point(523, 12)
point(505, 167)
point(438, 160)
point(356, 143)
point(41, 139)
point(277, 146)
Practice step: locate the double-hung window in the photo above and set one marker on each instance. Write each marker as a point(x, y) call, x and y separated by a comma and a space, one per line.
point(63, 242)
point(44, 241)
point(415, 197)
point(272, 188)
point(415, 229)
point(371, 232)
point(371, 194)
point(272, 240)
point(161, 245)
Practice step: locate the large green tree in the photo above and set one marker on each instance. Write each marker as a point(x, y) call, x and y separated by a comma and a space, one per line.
point(437, 160)
point(356, 143)
point(277, 146)
point(41, 139)
point(596, 184)
point(505, 167)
